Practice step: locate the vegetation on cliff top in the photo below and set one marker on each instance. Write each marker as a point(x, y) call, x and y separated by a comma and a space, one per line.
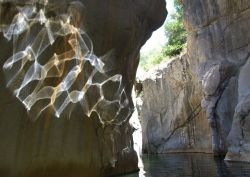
point(176, 37)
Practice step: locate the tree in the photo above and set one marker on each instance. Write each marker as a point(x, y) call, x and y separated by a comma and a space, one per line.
point(176, 40)
point(175, 32)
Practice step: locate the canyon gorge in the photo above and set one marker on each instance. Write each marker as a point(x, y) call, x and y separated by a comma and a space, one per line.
point(197, 102)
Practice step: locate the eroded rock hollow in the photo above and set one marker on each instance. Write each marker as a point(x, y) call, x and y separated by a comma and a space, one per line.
point(49, 50)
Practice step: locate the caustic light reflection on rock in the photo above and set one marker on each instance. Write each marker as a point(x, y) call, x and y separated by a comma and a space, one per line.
point(44, 76)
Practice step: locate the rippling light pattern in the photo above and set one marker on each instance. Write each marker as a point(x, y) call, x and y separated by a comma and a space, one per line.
point(67, 78)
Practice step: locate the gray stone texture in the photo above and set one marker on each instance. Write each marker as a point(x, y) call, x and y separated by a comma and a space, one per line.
point(218, 52)
point(214, 75)
point(171, 115)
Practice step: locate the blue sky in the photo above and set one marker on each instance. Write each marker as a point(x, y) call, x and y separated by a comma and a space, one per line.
point(158, 38)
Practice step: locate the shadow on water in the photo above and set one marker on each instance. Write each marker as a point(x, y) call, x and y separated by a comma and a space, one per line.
point(190, 165)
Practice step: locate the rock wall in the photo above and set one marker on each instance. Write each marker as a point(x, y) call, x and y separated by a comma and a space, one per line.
point(79, 146)
point(218, 53)
point(209, 85)
point(171, 115)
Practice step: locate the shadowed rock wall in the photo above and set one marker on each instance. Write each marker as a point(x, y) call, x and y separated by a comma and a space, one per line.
point(78, 146)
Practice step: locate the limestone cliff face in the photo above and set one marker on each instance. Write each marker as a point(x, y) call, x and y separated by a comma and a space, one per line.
point(80, 146)
point(218, 52)
point(216, 78)
point(171, 115)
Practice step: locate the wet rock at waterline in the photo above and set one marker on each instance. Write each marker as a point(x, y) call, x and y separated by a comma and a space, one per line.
point(171, 114)
point(100, 145)
point(239, 136)
point(218, 50)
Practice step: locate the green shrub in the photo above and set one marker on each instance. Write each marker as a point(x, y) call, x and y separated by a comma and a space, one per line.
point(176, 40)
point(175, 32)
point(155, 57)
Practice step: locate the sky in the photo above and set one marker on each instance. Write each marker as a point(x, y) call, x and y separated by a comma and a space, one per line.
point(158, 38)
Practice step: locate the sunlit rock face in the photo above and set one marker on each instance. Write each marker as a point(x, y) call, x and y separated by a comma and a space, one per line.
point(67, 74)
point(171, 114)
point(218, 49)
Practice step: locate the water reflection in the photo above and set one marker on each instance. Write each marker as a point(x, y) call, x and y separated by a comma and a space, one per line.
point(190, 165)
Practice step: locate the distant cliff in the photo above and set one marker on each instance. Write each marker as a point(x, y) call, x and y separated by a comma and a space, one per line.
point(171, 114)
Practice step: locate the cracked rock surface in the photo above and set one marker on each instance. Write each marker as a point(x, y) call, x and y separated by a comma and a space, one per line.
point(200, 102)
point(171, 115)
point(218, 53)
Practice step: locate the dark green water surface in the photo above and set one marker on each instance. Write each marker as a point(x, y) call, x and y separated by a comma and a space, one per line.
point(190, 165)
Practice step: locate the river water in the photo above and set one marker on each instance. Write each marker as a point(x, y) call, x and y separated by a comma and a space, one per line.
point(190, 165)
